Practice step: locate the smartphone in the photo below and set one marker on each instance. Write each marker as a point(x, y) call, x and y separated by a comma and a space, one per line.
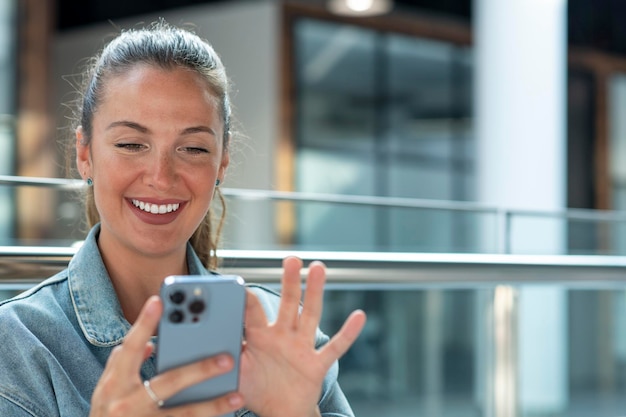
point(202, 316)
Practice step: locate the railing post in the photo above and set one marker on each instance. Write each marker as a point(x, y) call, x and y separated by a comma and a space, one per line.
point(503, 231)
point(497, 384)
point(505, 387)
point(502, 383)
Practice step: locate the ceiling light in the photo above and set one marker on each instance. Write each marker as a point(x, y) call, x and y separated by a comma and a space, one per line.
point(360, 7)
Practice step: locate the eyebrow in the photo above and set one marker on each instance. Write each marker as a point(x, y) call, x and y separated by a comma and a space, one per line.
point(129, 124)
point(198, 129)
point(142, 129)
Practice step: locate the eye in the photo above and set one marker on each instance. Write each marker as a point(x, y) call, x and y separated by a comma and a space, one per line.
point(130, 146)
point(195, 150)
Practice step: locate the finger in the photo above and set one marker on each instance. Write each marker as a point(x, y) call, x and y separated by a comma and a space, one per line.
point(345, 337)
point(148, 350)
point(255, 315)
point(290, 293)
point(313, 300)
point(175, 380)
point(216, 407)
point(130, 356)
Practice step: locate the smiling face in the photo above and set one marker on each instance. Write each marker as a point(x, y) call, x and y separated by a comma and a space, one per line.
point(155, 152)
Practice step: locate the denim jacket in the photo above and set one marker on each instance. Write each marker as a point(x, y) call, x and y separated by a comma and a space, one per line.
point(56, 337)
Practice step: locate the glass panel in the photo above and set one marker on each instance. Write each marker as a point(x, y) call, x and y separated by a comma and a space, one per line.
point(8, 70)
point(429, 106)
point(425, 348)
point(413, 230)
point(67, 228)
point(414, 357)
point(254, 222)
point(335, 71)
point(417, 354)
point(617, 154)
point(524, 230)
point(597, 354)
point(360, 227)
point(7, 196)
point(8, 62)
point(381, 114)
point(574, 233)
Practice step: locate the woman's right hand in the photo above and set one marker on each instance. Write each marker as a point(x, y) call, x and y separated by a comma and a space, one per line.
point(121, 392)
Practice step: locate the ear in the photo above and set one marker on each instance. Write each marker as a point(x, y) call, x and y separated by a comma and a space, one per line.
point(83, 159)
point(221, 172)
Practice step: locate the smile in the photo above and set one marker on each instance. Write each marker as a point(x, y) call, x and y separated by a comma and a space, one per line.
point(155, 208)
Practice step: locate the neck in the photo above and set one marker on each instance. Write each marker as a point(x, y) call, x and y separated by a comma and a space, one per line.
point(136, 277)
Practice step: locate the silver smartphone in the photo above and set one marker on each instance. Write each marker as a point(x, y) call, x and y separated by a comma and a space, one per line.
point(202, 316)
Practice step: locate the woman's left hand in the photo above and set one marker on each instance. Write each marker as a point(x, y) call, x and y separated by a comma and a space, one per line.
point(282, 371)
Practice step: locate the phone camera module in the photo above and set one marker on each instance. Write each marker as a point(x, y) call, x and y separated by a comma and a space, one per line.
point(197, 306)
point(177, 297)
point(177, 316)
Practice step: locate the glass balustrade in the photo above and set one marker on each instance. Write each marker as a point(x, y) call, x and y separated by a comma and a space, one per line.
point(455, 327)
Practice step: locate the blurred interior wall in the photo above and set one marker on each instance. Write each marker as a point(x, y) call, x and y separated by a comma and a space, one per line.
point(36, 147)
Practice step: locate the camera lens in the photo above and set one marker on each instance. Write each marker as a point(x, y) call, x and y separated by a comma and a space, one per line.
point(197, 306)
point(177, 316)
point(177, 297)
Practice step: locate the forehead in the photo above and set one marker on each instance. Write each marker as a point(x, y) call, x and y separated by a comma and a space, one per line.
point(147, 76)
point(146, 90)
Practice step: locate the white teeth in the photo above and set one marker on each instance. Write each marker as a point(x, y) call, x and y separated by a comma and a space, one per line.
point(155, 208)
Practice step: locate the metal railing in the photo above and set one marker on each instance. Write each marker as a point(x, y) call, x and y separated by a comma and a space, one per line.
point(31, 264)
point(501, 274)
point(498, 275)
point(503, 216)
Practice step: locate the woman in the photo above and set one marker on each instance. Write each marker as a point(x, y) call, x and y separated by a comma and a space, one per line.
point(152, 146)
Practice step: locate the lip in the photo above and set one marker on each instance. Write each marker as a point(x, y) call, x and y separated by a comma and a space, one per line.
point(156, 219)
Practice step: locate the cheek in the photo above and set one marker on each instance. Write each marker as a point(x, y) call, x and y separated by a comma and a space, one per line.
point(111, 180)
point(113, 168)
point(202, 185)
point(106, 192)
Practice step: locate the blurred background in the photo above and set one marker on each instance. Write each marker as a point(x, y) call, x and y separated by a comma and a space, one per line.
point(414, 127)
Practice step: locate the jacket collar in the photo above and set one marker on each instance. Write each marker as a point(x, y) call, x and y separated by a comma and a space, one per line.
point(94, 299)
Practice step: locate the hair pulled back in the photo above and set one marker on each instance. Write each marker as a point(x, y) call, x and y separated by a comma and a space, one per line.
point(164, 46)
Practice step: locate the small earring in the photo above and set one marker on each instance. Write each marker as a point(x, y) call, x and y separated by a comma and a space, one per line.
point(217, 182)
point(89, 181)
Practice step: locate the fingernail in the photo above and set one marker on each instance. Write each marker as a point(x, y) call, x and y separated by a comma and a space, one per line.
point(151, 307)
point(235, 400)
point(223, 361)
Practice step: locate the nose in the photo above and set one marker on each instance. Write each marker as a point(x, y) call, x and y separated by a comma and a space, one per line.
point(162, 175)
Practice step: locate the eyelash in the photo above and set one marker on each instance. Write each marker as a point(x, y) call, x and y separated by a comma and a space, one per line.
point(196, 150)
point(129, 146)
point(136, 147)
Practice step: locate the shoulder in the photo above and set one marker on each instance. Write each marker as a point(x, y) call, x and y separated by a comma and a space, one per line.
point(28, 322)
point(44, 361)
point(32, 312)
point(42, 290)
point(36, 307)
point(34, 317)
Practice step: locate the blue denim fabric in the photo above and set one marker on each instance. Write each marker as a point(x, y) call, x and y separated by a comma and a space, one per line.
point(55, 340)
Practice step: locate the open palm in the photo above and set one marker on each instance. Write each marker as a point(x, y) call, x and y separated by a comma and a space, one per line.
point(281, 370)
